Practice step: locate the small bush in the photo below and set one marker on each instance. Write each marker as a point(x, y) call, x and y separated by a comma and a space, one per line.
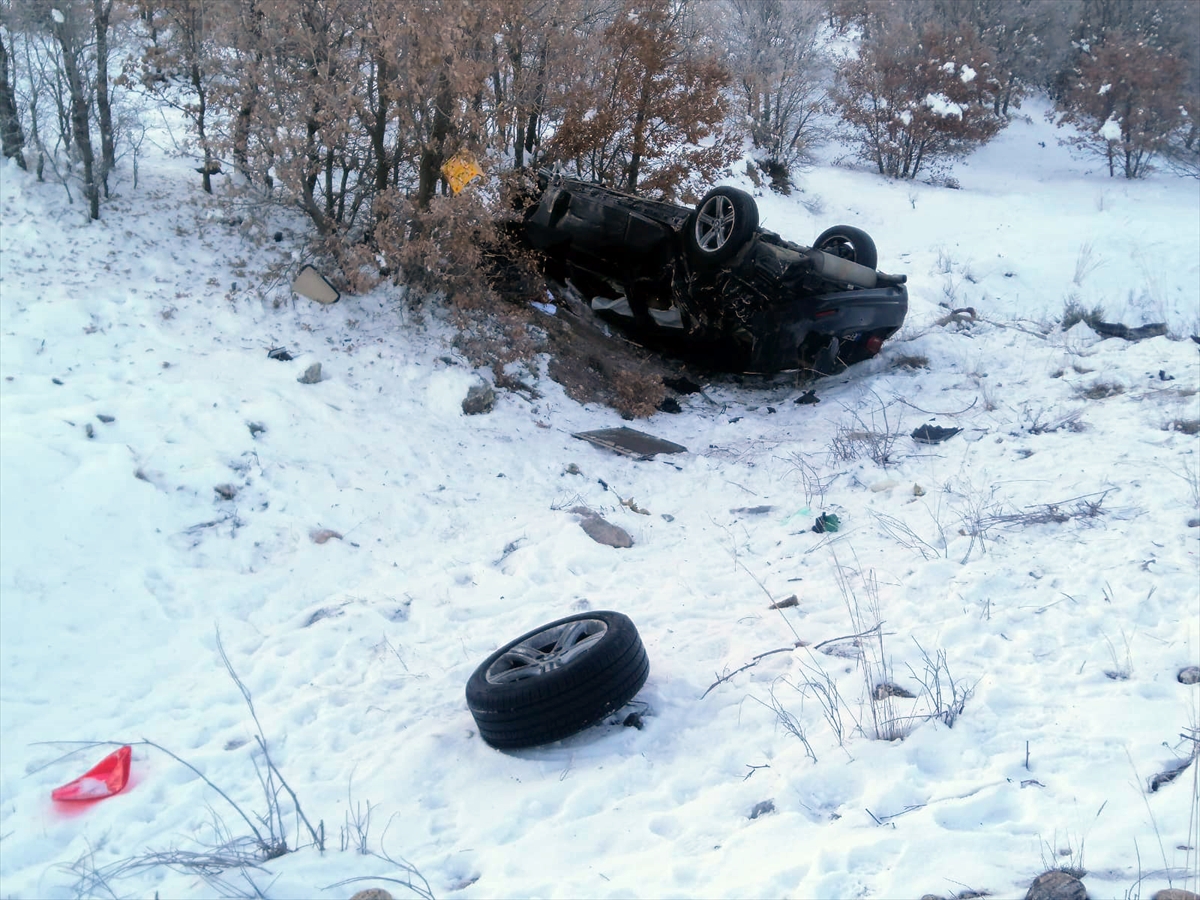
point(1075, 312)
point(1102, 390)
point(638, 394)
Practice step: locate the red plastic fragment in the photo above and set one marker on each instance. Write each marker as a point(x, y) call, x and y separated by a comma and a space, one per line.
point(107, 777)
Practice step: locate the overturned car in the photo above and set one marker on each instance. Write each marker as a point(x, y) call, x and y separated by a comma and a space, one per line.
point(710, 281)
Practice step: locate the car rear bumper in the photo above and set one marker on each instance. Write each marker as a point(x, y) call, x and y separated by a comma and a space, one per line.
point(791, 335)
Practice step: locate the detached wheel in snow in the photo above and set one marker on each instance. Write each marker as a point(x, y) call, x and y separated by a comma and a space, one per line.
point(557, 679)
point(849, 243)
point(724, 220)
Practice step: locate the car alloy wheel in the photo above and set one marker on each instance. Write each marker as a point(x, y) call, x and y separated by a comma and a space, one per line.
point(557, 679)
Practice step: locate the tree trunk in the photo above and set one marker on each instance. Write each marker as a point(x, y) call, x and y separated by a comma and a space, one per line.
point(639, 138)
point(79, 117)
point(432, 156)
point(379, 127)
point(201, 133)
point(539, 100)
point(101, 14)
point(11, 136)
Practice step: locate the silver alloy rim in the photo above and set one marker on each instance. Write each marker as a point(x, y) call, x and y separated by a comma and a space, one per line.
point(546, 651)
point(714, 223)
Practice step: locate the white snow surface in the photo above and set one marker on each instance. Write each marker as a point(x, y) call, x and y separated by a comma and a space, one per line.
point(120, 563)
point(943, 105)
point(1110, 130)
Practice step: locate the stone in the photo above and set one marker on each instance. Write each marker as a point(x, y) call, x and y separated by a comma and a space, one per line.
point(886, 689)
point(226, 491)
point(1189, 675)
point(1175, 894)
point(603, 532)
point(311, 375)
point(480, 399)
point(762, 808)
point(1056, 885)
point(372, 894)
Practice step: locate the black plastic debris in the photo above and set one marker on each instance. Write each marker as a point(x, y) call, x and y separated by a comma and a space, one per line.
point(933, 434)
point(808, 397)
point(827, 522)
point(280, 353)
point(629, 442)
point(682, 385)
point(1114, 329)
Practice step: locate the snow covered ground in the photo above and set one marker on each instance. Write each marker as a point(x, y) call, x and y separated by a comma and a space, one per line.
point(119, 564)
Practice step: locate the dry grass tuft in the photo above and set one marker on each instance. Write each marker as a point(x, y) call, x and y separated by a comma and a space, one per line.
point(911, 361)
point(1102, 390)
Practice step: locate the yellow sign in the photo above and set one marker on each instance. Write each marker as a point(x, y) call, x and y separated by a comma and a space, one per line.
point(460, 170)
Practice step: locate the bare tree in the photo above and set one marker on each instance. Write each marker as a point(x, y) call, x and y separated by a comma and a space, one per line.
point(183, 57)
point(914, 99)
point(776, 61)
point(70, 24)
point(1028, 39)
point(101, 22)
point(539, 42)
point(1127, 102)
point(12, 135)
point(652, 110)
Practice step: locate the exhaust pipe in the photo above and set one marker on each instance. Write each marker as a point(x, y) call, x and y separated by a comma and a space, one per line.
point(834, 268)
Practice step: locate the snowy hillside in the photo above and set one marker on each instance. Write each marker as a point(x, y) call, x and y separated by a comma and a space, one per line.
point(163, 480)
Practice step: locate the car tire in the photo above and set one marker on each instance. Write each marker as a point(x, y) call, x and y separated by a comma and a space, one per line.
point(724, 220)
point(557, 679)
point(849, 243)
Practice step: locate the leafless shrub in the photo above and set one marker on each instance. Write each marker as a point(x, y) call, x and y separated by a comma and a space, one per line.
point(1085, 264)
point(212, 866)
point(873, 437)
point(1122, 666)
point(945, 696)
point(985, 392)
point(1075, 312)
point(1044, 421)
point(815, 484)
point(1068, 859)
point(821, 686)
point(1087, 506)
point(1187, 426)
point(977, 518)
point(863, 605)
point(790, 723)
point(1102, 390)
point(354, 834)
point(272, 781)
point(905, 536)
point(410, 877)
point(1189, 472)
